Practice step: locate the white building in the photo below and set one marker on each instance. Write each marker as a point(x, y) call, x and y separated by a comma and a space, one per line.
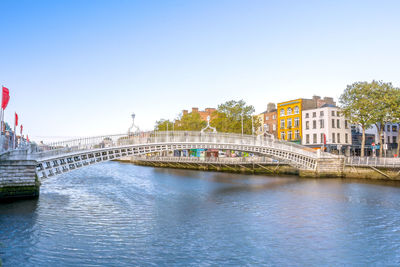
point(390, 133)
point(325, 123)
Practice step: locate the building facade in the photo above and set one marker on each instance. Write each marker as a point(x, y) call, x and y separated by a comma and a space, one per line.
point(326, 127)
point(270, 122)
point(289, 115)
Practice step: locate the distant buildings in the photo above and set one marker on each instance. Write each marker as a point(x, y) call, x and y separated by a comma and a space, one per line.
point(203, 114)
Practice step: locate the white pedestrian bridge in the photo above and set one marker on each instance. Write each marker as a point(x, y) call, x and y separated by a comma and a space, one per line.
point(61, 157)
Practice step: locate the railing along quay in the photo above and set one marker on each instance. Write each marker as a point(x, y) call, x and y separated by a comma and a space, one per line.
point(373, 161)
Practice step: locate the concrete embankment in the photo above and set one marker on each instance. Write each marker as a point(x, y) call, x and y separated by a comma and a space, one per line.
point(346, 172)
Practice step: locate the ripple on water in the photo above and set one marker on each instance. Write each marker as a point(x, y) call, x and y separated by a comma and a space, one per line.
point(117, 214)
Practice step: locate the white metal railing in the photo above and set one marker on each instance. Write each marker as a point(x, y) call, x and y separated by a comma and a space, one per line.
point(142, 138)
point(373, 161)
point(228, 160)
point(6, 144)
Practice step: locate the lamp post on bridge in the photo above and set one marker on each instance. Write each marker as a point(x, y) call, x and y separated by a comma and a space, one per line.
point(242, 122)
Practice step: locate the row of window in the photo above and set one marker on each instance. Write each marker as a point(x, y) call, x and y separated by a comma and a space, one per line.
point(290, 123)
point(273, 117)
point(335, 124)
point(335, 138)
point(321, 114)
point(290, 135)
point(391, 127)
point(267, 128)
point(289, 111)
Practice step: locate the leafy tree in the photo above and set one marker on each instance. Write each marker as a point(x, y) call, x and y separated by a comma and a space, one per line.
point(228, 117)
point(164, 125)
point(356, 103)
point(382, 96)
point(190, 122)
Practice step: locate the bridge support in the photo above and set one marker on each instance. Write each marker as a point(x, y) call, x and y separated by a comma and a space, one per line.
point(326, 168)
point(18, 177)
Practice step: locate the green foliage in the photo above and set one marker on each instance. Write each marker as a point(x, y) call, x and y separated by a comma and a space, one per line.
point(190, 122)
point(228, 117)
point(163, 125)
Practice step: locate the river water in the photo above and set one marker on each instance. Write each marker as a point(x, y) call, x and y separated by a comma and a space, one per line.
point(116, 214)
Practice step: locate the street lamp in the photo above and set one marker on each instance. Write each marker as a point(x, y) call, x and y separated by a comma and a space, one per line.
point(242, 122)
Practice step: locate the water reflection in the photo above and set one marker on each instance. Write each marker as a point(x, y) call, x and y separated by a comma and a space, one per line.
point(122, 215)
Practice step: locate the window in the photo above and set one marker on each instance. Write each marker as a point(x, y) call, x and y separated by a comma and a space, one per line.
point(388, 128)
point(346, 138)
point(289, 111)
point(289, 123)
point(307, 115)
point(307, 138)
point(314, 124)
point(282, 135)
point(322, 138)
point(274, 127)
point(333, 123)
point(266, 127)
point(314, 114)
point(333, 113)
point(282, 112)
point(346, 124)
point(394, 140)
point(283, 124)
point(296, 122)
point(297, 134)
point(338, 137)
point(321, 113)
point(296, 110)
point(266, 118)
point(394, 128)
point(274, 116)
point(321, 124)
point(314, 138)
point(338, 124)
point(307, 125)
point(289, 135)
point(333, 138)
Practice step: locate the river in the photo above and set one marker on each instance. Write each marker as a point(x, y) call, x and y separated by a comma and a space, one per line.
point(116, 214)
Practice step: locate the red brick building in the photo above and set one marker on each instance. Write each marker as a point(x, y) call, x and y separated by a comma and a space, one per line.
point(203, 113)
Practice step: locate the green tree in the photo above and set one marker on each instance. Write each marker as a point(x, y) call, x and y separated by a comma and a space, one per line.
point(382, 96)
point(190, 122)
point(356, 104)
point(228, 117)
point(163, 125)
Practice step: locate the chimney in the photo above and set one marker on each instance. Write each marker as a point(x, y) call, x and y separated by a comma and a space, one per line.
point(271, 107)
point(195, 110)
point(185, 112)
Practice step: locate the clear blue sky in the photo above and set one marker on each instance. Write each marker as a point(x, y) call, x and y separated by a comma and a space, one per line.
point(77, 68)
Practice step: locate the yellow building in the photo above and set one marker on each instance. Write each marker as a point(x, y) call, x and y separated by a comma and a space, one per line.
point(260, 119)
point(289, 120)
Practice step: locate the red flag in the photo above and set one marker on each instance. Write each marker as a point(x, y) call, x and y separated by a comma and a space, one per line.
point(22, 127)
point(16, 119)
point(27, 138)
point(5, 98)
point(324, 139)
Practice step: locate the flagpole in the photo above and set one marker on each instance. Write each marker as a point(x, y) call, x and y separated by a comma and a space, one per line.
point(15, 131)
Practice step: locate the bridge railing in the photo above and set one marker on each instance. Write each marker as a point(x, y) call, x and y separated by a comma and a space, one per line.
point(373, 161)
point(119, 140)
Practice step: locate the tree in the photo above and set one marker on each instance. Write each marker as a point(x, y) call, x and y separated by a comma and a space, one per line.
point(190, 122)
point(356, 104)
point(382, 96)
point(163, 125)
point(395, 113)
point(228, 117)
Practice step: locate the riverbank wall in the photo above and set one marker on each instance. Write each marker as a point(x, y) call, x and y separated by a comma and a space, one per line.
point(336, 171)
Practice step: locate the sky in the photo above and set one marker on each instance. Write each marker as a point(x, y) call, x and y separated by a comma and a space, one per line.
point(80, 68)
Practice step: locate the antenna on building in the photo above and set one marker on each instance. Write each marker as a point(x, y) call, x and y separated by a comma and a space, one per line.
point(209, 126)
point(133, 126)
